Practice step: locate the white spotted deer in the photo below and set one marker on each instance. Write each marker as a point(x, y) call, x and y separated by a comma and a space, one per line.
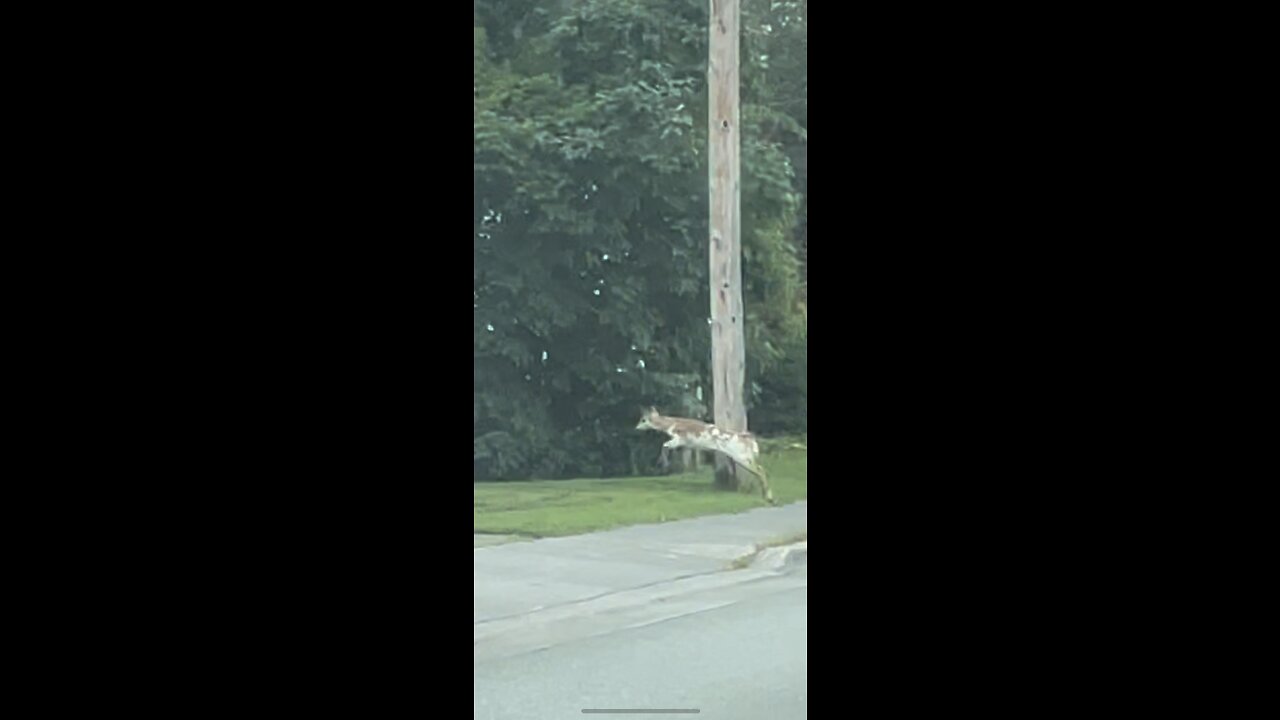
point(740, 447)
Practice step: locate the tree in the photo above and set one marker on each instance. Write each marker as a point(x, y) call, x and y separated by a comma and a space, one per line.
point(589, 272)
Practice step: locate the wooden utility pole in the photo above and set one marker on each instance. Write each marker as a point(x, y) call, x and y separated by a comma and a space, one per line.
point(728, 358)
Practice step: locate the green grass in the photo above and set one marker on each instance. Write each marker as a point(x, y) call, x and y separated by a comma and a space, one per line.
point(548, 508)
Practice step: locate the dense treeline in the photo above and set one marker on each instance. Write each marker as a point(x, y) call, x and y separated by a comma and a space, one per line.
point(590, 226)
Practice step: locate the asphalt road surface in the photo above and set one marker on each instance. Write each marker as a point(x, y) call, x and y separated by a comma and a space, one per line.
point(732, 652)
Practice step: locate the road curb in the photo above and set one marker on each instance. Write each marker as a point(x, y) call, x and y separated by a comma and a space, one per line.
point(785, 556)
point(778, 557)
point(489, 540)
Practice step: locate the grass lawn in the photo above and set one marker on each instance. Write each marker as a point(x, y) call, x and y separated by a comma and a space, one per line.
point(547, 508)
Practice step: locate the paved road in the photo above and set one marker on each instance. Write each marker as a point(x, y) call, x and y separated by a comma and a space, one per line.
point(516, 579)
point(733, 646)
point(645, 617)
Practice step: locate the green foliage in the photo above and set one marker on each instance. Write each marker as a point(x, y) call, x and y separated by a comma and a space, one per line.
point(590, 223)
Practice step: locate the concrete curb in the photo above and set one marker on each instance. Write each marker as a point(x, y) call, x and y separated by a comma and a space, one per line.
point(485, 540)
point(786, 556)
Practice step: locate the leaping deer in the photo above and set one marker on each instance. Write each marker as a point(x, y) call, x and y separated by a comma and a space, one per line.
point(740, 447)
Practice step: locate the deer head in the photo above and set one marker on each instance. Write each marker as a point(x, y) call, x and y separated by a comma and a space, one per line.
point(646, 419)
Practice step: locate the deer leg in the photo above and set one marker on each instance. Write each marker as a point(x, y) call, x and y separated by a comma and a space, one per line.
point(764, 484)
point(755, 468)
point(664, 459)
